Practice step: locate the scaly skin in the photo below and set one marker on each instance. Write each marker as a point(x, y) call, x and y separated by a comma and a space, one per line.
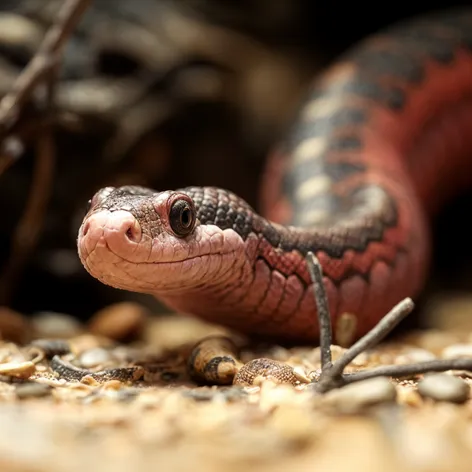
point(381, 142)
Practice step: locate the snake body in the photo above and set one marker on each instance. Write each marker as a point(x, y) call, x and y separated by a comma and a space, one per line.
point(383, 138)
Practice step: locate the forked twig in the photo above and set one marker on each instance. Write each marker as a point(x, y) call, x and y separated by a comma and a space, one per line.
point(375, 335)
point(332, 373)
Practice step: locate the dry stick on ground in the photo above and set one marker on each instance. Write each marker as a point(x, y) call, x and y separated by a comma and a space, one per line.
point(332, 373)
point(41, 71)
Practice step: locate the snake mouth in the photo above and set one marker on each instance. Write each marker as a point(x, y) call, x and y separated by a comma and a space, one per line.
point(168, 263)
point(152, 276)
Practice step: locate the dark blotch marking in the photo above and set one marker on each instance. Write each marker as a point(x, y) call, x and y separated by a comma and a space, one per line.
point(349, 142)
point(211, 367)
point(336, 171)
point(341, 170)
point(460, 25)
point(309, 169)
point(388, 95)
point(342, 231)
point(366, 224)
point(320, 164)
point(390, 63)
point(424, 41)
point(439, 34)
point(191, 361)
point(332, 125)
point(349, 116)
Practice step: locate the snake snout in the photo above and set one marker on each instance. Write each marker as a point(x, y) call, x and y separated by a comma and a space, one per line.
point(119, 230)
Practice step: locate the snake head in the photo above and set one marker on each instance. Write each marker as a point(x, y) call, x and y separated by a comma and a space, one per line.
point(136, 239)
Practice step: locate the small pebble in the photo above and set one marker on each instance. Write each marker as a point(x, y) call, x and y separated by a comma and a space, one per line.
point(169, 331)
point(413, 355)
point(359, 395)
point(19, 31)
point(203, 394)
point(14, 326)
point(279, 353)
point(112, 385)
point(409, 396)
point(55, 325)
point(32, 390)
point(444, 387)
point(457, 350)
point(233, 393)
point(86, 342)
point(433, 341)
point(120, 321)
point(200, 394)
point(127, 395)
point(292, 423)
point(21, 370)
point(450, 312)
point(94, 357)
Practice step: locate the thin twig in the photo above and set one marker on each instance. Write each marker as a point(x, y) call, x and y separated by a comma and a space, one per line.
point(322, 308)
point(332, 375)
point(375, 335)
point(419, 368)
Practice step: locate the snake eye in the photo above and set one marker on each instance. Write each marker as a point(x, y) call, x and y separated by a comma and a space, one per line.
point(89, 204)
point(182, 217)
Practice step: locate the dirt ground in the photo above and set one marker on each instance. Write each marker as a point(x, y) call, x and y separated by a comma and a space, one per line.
point(166, 421)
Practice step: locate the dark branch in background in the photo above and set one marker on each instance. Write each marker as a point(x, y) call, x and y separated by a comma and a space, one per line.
point(46, 58)
point(332, 373)
point(36, 84)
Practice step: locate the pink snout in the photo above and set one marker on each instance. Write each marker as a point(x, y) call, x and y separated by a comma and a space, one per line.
point(118, 230)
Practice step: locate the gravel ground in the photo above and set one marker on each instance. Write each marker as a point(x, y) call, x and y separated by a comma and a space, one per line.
point(165, 420)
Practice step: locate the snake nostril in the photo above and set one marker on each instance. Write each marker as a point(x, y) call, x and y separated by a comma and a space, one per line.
point(86, 228)
point(133, 233)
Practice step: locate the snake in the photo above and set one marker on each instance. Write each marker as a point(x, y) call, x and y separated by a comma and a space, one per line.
point(379, 143)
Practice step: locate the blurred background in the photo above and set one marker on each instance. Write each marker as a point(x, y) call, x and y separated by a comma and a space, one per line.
point(164, 94)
